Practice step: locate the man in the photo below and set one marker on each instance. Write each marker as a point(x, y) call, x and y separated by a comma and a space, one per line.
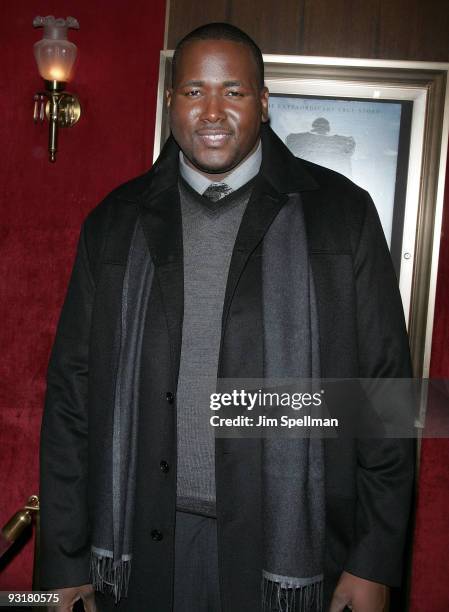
point(229, 257)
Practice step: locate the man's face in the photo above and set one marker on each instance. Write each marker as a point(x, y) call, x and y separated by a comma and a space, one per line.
point(216, 105)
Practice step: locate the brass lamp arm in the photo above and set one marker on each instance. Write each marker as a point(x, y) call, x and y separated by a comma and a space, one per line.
point(61, 108)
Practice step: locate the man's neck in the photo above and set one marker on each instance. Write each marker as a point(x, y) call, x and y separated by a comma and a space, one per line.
point(237, 177)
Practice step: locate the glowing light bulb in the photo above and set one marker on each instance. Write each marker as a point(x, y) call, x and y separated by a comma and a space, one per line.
point(56, 74)
point(55, 55)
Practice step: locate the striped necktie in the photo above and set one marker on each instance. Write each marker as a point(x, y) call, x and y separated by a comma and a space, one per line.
point(216, 191)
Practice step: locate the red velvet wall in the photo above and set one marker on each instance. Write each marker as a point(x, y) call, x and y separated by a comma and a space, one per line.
point(43, 204)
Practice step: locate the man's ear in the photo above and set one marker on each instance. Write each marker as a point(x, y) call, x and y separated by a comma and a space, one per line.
point(264, 96)
point(168, 96)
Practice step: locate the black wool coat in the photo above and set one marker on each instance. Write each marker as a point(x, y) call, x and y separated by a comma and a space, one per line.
point(362, 334)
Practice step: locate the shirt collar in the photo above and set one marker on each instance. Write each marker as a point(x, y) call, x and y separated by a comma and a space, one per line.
point(236, 179)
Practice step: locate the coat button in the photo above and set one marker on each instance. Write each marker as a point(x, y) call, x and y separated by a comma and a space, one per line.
point(170, 397)
point(164, 466)
point(156, 535)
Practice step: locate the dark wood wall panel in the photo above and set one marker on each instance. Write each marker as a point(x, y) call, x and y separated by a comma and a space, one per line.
point(275, 26)
point(346, 28)
point(389, 29)
point(414, 30)
point(185, 15)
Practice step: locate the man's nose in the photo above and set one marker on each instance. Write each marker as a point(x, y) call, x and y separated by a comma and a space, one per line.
point(213, 110)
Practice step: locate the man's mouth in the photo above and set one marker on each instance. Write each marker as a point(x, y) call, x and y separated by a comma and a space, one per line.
point(213, 138)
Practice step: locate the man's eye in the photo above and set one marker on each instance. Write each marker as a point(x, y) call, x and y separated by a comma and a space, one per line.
point(192, 93)
point(234, 94)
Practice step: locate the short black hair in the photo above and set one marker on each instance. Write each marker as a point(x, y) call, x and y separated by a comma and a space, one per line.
point(221, 31)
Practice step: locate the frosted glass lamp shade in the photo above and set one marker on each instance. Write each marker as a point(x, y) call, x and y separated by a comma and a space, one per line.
point(55, 54)
point(55, 59)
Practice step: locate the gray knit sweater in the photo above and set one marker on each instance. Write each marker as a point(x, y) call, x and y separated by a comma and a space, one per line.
point(209, 233)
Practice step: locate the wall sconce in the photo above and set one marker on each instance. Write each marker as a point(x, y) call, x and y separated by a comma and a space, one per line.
point(55, 57)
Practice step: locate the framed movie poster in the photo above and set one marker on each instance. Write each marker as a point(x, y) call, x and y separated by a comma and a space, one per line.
point(384, 125)
point(366, 140)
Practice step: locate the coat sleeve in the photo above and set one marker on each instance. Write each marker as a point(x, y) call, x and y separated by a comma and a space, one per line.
point(385, 467)
point(64, 537)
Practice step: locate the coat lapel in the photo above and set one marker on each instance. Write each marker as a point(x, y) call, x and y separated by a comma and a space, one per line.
point(160, 215)
point(279, 176)
point(262, 208)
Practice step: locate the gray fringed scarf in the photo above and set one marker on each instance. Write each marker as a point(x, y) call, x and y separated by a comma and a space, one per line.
point(292, 470)
point(114, 505)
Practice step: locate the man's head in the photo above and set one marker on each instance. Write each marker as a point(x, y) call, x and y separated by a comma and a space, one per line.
point(321, 126)
point(217, 101)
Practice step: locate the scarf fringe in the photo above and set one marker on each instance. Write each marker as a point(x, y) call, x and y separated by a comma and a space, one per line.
point(279, 597)
point(110, 576)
